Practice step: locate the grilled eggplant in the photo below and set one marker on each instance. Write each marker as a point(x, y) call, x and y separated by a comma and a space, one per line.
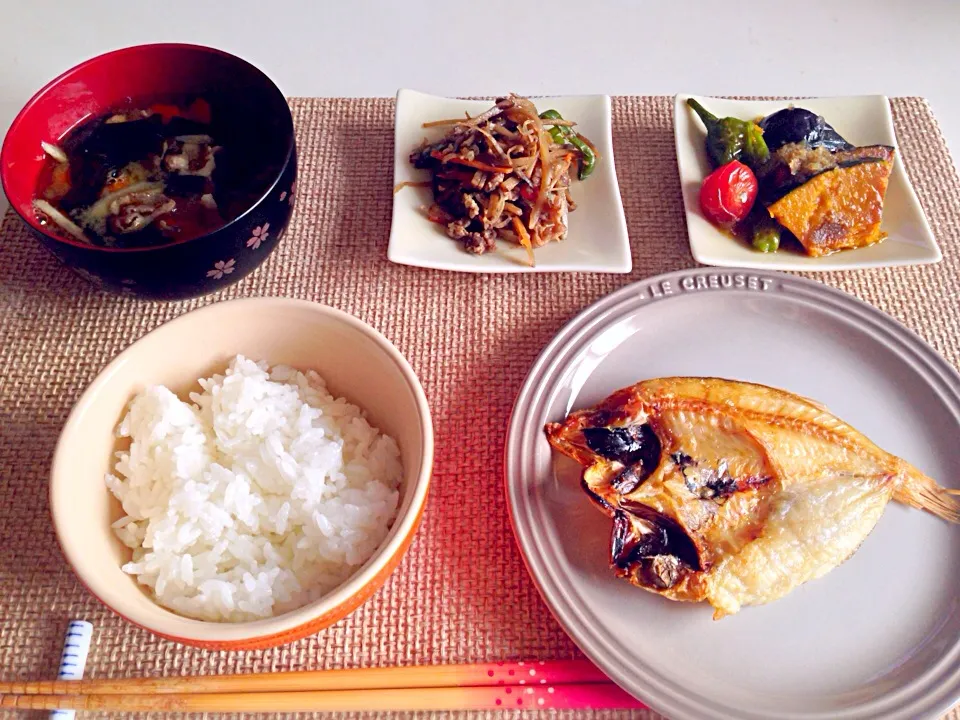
point(796, 125)
point(792, 165)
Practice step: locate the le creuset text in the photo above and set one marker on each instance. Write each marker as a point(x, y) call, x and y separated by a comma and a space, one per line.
point(713, 281)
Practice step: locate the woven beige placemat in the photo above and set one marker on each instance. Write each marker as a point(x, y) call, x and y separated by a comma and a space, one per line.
point(462, 593)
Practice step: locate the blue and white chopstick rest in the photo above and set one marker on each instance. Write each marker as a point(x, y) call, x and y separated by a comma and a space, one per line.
point(73, 659)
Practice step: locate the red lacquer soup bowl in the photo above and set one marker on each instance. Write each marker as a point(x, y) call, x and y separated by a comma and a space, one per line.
point(248, 111)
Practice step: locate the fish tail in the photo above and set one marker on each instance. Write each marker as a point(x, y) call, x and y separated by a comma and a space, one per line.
point(920, 491)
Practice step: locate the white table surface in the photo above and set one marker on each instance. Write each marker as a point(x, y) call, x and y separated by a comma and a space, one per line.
point(619, 47)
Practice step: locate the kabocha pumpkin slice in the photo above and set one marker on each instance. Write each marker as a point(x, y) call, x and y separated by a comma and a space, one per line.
point(838, 209)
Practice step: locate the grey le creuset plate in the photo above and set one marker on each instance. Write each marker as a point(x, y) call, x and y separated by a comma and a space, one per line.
point(879, 636)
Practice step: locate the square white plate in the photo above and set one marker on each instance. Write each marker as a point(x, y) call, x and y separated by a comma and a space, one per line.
point(597, 240)
point(862, 120)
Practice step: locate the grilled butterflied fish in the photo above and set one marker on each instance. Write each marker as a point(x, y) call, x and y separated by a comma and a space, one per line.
point(731, 492)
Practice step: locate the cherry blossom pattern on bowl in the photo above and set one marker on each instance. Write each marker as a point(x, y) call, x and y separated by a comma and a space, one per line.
point(289, 194)
point(259, 236)
point(221, 268)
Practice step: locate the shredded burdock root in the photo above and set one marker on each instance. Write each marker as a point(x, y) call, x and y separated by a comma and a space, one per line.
point(501, 174)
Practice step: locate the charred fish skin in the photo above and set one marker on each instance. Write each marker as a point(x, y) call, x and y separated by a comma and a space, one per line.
point(630, 445)
point(730, 492)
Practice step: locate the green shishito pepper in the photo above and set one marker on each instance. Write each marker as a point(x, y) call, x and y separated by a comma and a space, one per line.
point(764, 232)
point(564, 134)
point(732, 139)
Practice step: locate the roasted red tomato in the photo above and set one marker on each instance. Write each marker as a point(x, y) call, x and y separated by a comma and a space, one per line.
point(728, 194)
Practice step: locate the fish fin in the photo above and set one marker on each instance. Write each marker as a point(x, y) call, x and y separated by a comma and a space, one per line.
point(919, 491)
point(569, 441)
point(813, 403)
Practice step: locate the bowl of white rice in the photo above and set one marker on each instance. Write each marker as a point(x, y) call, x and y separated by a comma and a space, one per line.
point(245, 475)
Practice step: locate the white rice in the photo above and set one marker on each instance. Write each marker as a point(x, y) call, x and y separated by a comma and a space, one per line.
point(264, 494)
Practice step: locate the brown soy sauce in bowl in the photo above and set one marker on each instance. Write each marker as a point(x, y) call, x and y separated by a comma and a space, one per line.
point(150, 172)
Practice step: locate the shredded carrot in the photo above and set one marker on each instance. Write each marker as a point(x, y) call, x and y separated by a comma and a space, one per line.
point(61, 173)
point(59, 182)
point(165, 111)
point(457, 173)
point(116, 184)
point(481, 166)
point(524, 239)
point(199, 110)
point(475, 164)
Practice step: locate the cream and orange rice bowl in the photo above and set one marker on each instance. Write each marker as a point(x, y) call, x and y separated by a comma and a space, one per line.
point(244, 475)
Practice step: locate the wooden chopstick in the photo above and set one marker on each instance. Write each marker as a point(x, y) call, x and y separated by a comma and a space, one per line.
point(552, 672)
point(571, 696)
point(559, 684)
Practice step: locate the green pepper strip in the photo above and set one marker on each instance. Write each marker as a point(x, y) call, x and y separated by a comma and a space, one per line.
point(563, 134)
